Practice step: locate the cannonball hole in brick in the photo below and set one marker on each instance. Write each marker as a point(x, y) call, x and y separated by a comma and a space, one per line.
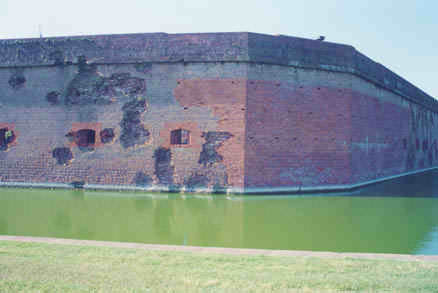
point(85, 137)
point(62, 155)
point(179, 136)
point(107, 135)
point(17, 81)
point(6, 137)
point(53, 97)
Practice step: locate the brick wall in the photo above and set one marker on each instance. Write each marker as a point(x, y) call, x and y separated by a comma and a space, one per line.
point(256, 111)
point(390, 135)
point(48, 109)
point(298, 130)
point(319, 128)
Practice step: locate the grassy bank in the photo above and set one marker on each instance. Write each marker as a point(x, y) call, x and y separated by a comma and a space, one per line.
point(41, 267)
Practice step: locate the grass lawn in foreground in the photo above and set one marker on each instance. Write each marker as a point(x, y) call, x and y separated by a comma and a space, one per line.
point(40, 267)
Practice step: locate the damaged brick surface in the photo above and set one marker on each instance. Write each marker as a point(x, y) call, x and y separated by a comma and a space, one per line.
point(62, 155)
point(90, 87)
point(145, 67)
point(163, 166)
point(133, 131)
point(249, 124)
point(213, 178)
point(107, 135)
point(142, 179)
point(196, 180)
point(213, 140)
point(17, 80)
point(57, 57)
point(120, 85)
point(226, 99)
point(53, 97)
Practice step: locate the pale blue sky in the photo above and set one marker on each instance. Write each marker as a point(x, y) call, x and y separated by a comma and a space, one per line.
point(402, 34)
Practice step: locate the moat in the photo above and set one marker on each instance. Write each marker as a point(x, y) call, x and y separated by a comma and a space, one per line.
point(400, 216)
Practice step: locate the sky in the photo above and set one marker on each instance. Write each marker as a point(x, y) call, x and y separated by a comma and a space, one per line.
point(402, 34)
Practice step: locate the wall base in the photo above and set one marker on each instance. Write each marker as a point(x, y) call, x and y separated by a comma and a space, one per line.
point(230, 191)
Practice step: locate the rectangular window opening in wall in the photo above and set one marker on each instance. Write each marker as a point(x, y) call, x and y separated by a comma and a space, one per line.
point(179, 136)
point(86, 138)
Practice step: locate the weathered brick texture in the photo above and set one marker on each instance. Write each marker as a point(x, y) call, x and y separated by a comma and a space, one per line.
point(258, 113)
point(226, 100)
point(297, 135)
point(390, 135)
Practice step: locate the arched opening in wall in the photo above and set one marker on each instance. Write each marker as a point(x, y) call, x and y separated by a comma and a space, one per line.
point(7, 137)
point(85, 139)
point(179, 137)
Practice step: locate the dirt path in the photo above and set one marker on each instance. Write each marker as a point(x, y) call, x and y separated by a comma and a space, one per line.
point(219, 250)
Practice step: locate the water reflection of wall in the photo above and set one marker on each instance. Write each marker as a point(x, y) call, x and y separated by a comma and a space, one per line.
point(392, 225)
point(362, 224)
point(120, 217)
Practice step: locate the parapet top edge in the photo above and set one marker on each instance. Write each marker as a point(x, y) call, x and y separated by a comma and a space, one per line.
point(119, 35)
point(204, 47)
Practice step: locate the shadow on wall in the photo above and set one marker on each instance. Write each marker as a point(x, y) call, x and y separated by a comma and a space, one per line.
point(418, 185)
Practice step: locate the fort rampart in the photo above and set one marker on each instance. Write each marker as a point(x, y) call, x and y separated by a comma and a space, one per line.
point(233, 112)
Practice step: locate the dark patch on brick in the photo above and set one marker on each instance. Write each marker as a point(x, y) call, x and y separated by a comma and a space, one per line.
point(213, 140)
point(163, 168)
point(17, 80)
point(78, 184)
point(107, 135)
point(142, 179)
point(82, 89)
point(6, 138)
point(133, 131)
point(53, 97)
point(196, 180)
point(120, 84)
point(90, 87)
point(220, 184)
point(62, 155)
point(70, 136)
point(143, 67)
point(57, 57)
point(218, 189)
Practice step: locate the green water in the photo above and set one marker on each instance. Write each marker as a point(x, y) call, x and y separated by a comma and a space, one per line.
point(381, 218)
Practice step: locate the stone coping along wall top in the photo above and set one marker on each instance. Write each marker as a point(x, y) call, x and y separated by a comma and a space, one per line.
point(207, 47)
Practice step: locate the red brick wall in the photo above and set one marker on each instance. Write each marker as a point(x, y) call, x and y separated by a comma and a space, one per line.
point(390, 135)
point(214, 103)
point(288, 127)
point(226, 99)
point(297, 135)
